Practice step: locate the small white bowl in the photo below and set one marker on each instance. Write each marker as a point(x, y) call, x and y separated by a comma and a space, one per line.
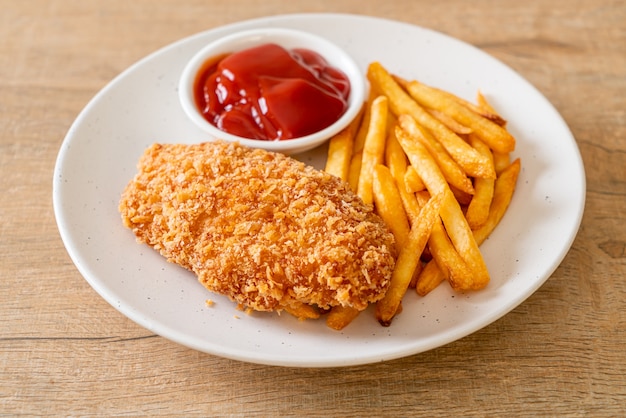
point(288, 39)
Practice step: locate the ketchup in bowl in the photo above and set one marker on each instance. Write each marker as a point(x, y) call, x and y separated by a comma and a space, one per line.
point(268, 92)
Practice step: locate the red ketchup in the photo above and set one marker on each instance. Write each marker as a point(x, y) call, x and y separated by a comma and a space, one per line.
point(270, 93)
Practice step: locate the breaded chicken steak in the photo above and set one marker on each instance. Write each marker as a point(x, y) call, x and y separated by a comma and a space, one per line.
point(262, 228)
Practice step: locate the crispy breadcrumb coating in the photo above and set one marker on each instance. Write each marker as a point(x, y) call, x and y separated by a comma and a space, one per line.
point(264, 229)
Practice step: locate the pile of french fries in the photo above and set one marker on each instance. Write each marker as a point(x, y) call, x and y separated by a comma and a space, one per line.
point(438, 171)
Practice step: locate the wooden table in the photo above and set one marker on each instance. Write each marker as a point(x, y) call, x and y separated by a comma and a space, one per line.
point(65, 351)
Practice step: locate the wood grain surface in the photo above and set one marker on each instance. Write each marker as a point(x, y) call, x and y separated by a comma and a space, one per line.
point(65, 352)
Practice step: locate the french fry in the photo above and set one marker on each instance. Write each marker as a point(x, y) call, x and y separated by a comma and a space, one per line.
point(340, 154)
point(389, 205)
point(438, 171)
point(355, 170)
point(397, 162)
point(400, 103)
point(452, 266)
point(478, 208)
point(501, 161)
point(359, 141)
point(392, 121)
point(374, 148)
point(340, 316)
point(463, 240)
point(361, 133)
point(340, 149)
point(484, 112)
point(430, 277)
point(421, 198)
point(451, 170)
point(442, 117)
point(395, 158)
point(416, 273)
point(433, 274)
point(302, 311)
point(462, 197)
point(423, 163)
point(402, 82)
point(453, 219)
point(487, 111)
point(494, 135)
point(409, 201)
point(452, 124)
point(412, 181)
point(502, 195)
point(407, 262)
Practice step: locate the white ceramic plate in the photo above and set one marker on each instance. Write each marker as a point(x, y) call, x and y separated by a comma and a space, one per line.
point(139, 107)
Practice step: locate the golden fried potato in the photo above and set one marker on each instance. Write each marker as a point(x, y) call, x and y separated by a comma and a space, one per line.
point(401, 103)
point(478, 208)
point(373, 149)
point(451, 170)
point(340, 150)
point(498, 138)
point(407, 261)
point(389, 206)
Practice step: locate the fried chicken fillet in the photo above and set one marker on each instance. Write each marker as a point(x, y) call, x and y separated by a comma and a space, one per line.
point(262, 228)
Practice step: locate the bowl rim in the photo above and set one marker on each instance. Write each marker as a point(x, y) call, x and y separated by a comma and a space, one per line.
point(288, 38)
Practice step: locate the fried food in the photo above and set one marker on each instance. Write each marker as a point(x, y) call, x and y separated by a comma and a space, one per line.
point(407, 261)
point(400, 103)
point(439, 148)
point(373, 148)
point(340, 149)
point(498, 138)
point(264, 229)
